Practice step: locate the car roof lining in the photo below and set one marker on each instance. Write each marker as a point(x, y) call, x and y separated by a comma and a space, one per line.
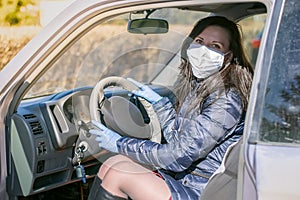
point(230, 9)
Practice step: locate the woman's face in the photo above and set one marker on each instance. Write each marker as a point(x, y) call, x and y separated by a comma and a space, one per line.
point(214, 37)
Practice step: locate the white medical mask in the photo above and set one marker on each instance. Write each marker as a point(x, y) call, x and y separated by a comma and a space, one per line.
point(204, 61)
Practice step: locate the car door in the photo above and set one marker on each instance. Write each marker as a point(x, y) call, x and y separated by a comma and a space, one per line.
point(271, 152)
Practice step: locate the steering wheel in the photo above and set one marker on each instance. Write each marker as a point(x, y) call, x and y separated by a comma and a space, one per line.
point(119, 114)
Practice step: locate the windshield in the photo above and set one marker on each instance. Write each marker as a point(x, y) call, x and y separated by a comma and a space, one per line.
point(110, 50)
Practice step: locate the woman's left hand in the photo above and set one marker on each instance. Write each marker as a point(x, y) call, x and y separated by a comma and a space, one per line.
point(106, 138)
point(145, 92)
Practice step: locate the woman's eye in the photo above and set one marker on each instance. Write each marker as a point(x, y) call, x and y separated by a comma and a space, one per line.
point(216, 46)
point(199, 41)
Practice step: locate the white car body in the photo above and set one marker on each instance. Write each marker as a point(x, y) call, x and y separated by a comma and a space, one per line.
point(267, 169)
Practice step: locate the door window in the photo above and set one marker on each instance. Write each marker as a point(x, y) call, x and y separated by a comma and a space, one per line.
point(281, 113)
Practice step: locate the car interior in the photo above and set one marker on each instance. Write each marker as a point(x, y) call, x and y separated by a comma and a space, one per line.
point(88, 80)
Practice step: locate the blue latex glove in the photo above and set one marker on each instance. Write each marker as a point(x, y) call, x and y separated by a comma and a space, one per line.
point(145, 92)
point(106, 138)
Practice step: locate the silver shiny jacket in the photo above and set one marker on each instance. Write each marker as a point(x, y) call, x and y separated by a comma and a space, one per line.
point(195, 141)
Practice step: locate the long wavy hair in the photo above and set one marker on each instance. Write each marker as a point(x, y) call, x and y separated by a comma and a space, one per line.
point(237, 75)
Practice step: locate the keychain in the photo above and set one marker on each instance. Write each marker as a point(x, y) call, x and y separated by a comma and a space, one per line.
point(80, 172)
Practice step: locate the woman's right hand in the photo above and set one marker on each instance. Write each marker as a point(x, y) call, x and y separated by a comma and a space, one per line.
point(145, 92)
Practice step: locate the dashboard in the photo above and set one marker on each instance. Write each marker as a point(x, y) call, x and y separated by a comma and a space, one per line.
point(47, 130)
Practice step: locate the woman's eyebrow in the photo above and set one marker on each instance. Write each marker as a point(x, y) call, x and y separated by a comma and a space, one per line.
point(198, 37)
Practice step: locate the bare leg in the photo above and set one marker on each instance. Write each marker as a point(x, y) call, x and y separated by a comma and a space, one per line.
point(123, 177)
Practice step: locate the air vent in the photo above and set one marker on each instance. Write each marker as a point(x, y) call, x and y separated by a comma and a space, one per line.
point(34, 124)
point(36, 127)
point(29, 116)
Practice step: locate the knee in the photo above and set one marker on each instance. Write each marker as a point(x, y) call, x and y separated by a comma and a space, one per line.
point(112, 162)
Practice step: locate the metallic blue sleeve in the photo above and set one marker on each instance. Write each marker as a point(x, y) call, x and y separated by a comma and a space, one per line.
point(197, 134)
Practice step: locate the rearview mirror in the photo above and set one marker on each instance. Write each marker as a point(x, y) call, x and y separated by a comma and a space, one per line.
point(148, 26)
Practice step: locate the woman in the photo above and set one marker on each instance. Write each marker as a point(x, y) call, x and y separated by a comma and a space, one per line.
point(212, 97)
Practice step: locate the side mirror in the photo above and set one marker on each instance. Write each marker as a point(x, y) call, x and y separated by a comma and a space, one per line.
point(148, 26)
